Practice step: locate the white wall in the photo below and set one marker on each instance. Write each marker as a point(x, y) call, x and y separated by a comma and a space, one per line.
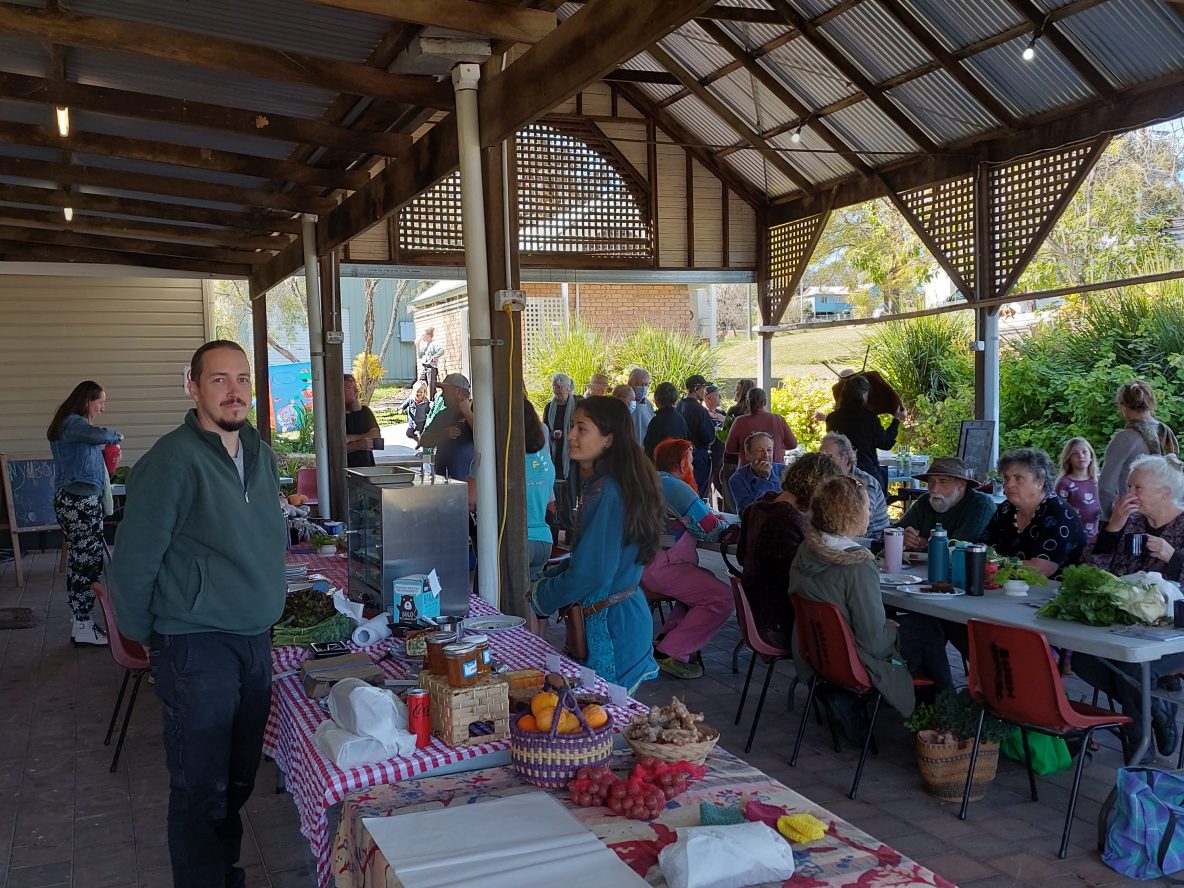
point(133, 336)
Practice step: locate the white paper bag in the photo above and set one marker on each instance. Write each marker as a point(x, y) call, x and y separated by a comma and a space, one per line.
point(726, 857)
point(348, 750)
point(368, 711)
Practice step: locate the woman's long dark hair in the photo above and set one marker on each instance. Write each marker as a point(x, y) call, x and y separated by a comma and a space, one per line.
point(535, 437)
point(626, 463)
point(78, 403)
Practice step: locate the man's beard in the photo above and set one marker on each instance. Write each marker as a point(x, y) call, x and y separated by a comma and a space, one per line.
point(230, 425)
point(945, 503)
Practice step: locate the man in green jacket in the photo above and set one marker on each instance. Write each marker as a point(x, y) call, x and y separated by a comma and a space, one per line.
point(198, 577)
point(951, 501)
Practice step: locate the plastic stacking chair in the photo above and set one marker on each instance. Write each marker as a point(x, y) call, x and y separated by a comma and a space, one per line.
point(306, 484)
point(826, 644)
point(762, 650)
point(133, 657)
point(1013, 675)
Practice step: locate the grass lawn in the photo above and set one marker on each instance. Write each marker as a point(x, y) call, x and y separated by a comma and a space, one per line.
point(794, 354)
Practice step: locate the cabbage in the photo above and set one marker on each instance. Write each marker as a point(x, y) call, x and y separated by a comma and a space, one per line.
point(1097, 598)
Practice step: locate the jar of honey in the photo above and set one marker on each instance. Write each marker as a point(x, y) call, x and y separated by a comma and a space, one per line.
point(461, 664)
point(484, 662)
point(436, 642)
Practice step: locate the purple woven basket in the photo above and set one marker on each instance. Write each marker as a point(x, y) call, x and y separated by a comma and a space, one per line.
point(551, 759)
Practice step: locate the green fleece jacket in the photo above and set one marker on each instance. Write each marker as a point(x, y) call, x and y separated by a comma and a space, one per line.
point(198, 550)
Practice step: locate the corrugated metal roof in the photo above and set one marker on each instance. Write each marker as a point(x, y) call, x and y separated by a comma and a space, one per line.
point(960, 23)
point(1132, 41)
point(176, 134)
point(764, 112)
point(291, 25)
point(745, 4)
point(750, 35)
point(866, 129)
point(814, 8)
point(142, 74)
point(643, 61)
point(875, 41)
point(701, 121)
point(943, 108)
point(1029, 87)
point(21, 56)
point(659, 91)
point(27, 112)
point(807, 74)
point(751, 165)
point(812, 156)
point(122, 164)
point(142, 195)
point(691, 46)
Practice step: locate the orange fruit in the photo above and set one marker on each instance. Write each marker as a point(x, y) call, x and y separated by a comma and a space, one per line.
point(595, 716)
point(543, 700)
point(527, 723)
point(568, 723)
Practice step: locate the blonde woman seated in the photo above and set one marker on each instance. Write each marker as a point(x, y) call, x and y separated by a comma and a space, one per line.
point(833, 568)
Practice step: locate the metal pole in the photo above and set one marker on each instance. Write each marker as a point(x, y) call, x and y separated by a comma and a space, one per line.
point(316, 351)
point(465, 78)
point(749, 287)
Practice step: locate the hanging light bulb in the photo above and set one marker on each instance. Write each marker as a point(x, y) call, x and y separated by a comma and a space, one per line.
point(796, 138)
point(63, 115)
point(1029, 52)
point(68, 212)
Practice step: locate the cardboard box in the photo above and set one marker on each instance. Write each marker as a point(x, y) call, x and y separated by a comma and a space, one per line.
point(319, 676)
point(413, 598)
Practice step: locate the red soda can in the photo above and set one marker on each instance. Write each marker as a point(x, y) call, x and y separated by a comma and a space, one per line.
point(419, 716)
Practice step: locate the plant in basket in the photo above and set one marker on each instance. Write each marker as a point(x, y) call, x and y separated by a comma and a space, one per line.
point(945, 734)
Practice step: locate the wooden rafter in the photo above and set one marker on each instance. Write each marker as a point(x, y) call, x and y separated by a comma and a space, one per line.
point(783, 95)
point(72, 237)
point(143, 106)
point(517, 25)
point(17, 251)
point(181, 155)
point(193, 189)
point(921, 33)
point(1074, 56)
point(770, 153)
point(225, 55)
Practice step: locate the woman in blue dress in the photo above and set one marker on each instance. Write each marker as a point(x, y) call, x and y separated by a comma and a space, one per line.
point(619, 519)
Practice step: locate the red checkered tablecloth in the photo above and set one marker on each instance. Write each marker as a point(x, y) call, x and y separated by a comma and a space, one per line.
point(316, 784)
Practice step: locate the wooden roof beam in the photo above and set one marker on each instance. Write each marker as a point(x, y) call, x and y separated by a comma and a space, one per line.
point(770, 153)
point(18, 251)
point(122, 103)
point(181, 155)
point(516, 24)
point(69, 237)
point(1085, 69)
point(107, 225)
point(223, 55)
point(97, 177)
point(820, 41)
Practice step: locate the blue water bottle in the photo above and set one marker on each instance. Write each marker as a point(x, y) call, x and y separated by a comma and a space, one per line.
point(939, 555)
point(958, 562)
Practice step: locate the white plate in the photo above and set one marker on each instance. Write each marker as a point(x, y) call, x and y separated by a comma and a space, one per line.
point(916, 557)
point(900, 579)
point(923, 591)
point(492, 624)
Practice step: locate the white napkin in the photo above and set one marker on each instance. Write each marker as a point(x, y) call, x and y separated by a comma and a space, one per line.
point(352, 609)
point(372, 631)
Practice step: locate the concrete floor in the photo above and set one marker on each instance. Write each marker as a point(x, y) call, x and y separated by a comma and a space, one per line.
point(66, 821)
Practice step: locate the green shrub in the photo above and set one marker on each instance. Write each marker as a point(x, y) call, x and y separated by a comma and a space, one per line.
point(801, 400)
point(577, 350)
point(924, 357)
point(670, 356)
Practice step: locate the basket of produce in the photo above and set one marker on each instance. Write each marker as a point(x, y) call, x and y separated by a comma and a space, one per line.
point(552, 742)
point(671, 734)
point(309, 616)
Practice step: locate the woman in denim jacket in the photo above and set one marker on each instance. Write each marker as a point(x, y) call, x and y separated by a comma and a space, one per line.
point(79, 479)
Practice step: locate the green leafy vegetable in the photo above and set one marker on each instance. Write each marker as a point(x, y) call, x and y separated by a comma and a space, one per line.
point(1013, 569)
point(1094, 597)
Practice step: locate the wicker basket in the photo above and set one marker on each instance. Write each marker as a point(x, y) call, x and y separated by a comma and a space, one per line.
point(551, 759)
point(943, 768)
point(695, 753)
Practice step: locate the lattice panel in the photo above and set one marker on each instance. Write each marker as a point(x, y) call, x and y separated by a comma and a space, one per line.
point(1023, 197)
point(789, 252)
point(571, 199)
point(542, 314)
point(946, 212)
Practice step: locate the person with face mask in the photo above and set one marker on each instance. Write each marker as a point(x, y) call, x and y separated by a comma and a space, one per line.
point(639, 381)
point(625, 393)
point(952, 502)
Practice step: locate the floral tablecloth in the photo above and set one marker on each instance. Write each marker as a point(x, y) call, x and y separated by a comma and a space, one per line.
point(316, 784)
point(846, 856)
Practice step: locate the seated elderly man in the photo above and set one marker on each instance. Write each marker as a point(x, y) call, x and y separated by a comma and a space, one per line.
point(759, 476)
point(838, 447)
point(951, 502)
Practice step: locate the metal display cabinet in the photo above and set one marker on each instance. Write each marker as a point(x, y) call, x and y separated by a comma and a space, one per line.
point(403, 523)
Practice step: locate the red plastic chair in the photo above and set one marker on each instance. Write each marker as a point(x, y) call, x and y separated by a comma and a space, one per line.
point(751, 638)
point(826, 644)
point(999, 655)
point(133, 657)
point(306, 484)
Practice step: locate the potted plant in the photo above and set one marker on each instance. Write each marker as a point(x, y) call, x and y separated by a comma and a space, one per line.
point(945, 735)
point(324, 544)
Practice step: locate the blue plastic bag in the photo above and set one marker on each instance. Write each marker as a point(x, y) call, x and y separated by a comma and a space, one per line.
point(1141, 825)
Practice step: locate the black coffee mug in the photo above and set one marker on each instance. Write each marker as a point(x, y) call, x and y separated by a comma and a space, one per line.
point(1134, 544)
point(1178, 613)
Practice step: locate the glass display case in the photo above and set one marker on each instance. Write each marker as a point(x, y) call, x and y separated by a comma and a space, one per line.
point(402, 523)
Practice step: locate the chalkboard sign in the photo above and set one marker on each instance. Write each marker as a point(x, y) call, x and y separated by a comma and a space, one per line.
point(28, 490)
point(976, 440)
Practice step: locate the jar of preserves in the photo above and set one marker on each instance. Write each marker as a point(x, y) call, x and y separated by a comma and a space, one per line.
point(481, 642)
point(461, 664)
point(436, 642)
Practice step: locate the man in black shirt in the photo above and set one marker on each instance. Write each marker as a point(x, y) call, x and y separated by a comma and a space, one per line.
point(361, 428)
point(700, 430)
